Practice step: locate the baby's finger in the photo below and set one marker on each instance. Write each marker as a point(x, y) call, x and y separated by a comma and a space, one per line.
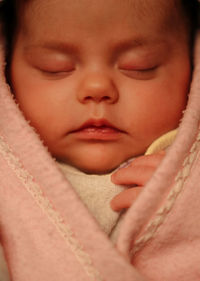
point(125, 199)
point(150, 160)
point(137, 175)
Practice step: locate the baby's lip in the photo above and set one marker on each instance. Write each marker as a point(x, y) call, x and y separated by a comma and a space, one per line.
point(97, 123)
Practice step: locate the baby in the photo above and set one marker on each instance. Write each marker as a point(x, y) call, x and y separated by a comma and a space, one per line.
point(100, 81)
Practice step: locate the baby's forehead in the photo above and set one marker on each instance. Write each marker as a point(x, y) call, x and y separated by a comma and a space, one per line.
point(160, 10)
point(140, 7)
point(165, 11)
point(145, 16)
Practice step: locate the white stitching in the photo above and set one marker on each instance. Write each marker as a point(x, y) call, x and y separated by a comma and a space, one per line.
point(43, 202)
point(160, 216)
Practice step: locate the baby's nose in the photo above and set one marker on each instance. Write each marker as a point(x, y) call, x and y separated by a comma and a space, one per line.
point(98, 88)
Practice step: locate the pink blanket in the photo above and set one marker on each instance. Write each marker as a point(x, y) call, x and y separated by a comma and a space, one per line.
point(49, 235)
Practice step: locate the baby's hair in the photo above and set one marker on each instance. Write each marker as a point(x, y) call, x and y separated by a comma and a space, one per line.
point(8, 17)
point(192, 9)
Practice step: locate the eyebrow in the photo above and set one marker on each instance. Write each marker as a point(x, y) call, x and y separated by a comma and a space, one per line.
point(135, 43)
point(119, 46)
point(54, 45)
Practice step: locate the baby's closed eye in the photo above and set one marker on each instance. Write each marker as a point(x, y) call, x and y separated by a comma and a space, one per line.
point(52, 64)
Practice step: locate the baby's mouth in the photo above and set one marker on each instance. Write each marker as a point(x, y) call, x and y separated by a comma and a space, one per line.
point(98, 130)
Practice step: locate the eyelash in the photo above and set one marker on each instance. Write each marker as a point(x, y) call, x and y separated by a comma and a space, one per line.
point(56, 74)
point(139, 74)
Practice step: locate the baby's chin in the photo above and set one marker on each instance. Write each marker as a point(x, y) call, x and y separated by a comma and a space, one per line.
point(97, 169)
point(99, 159)
point(94, 167)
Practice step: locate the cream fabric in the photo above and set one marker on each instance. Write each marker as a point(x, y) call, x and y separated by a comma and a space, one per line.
point(96, 191)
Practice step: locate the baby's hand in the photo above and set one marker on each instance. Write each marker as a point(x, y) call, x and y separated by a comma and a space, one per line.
point(135, 174)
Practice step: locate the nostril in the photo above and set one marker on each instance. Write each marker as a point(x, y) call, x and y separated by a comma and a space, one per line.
point(105, 98)
point(97, 98)
point(88, 98)
point(102, 98)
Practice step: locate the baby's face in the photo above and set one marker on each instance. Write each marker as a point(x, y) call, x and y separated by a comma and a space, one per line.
point(100, 80)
